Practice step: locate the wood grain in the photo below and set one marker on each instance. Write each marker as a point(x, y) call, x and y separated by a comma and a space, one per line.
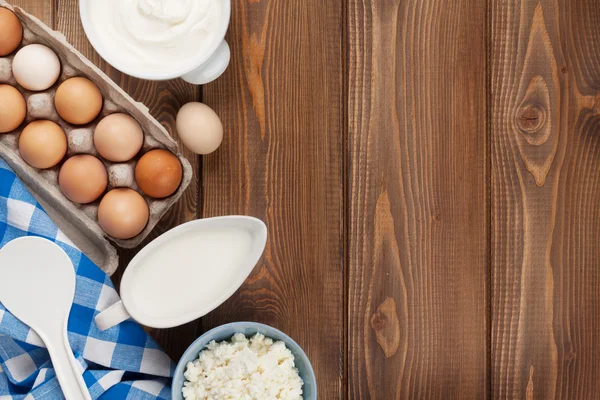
point(44, 10)
point(417, 200)
point(430, 174)
point(545, 152)
point(164, 100)
point(281, 101)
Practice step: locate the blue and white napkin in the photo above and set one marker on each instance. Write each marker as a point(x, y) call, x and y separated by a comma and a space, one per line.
point(120, 363)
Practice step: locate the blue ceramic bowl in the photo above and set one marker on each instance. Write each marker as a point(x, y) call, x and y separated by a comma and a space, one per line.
point(226, 332)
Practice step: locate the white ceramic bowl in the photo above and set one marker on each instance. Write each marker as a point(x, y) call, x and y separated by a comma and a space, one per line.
point(202, 68)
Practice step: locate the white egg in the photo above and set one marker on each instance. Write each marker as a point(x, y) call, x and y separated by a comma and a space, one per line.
point(199, 128)
point(36, 67)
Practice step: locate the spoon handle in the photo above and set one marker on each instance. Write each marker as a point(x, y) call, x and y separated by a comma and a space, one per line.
point(65, 366)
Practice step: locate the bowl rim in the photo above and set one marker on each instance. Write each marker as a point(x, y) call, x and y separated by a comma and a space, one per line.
point(91, 35)
point(192, 349)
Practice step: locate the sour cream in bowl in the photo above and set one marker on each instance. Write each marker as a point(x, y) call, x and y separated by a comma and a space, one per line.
point(160, 39)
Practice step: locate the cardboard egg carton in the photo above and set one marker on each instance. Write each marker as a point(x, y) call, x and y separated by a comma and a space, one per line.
point(79, 222)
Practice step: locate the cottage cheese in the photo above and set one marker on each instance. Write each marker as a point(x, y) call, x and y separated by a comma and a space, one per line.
point(243, 369)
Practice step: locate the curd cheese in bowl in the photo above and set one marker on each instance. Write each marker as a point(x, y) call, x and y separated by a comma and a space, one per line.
point(243, 368)
point(244, 361)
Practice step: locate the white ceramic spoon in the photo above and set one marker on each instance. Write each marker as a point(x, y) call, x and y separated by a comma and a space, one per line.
point(37, 285)
point(187, 272)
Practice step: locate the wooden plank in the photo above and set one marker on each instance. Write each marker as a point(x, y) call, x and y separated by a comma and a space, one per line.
point(282, 105)
point(417, 199)
point(44, 10)
point(545, 153)
point(164, 100)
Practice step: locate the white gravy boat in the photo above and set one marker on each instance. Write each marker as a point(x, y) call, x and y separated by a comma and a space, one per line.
point(187, 272)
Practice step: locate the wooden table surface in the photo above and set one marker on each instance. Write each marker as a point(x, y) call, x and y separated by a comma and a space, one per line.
point(430, 174)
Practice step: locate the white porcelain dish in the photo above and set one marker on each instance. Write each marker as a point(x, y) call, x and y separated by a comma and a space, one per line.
point(202, 68)
point(187, 272)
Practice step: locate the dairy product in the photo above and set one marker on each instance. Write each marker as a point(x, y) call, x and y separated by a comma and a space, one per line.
point(243, 369)
point(149, 36)
point(191, 271)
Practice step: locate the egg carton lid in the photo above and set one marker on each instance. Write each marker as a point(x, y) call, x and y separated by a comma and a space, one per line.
point(88, 236)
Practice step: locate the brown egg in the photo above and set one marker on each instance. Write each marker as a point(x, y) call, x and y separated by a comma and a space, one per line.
point(118, 137)
point(199, 128)
point(123, 213)
point(83, 178)
point(13, 108)
point(11, 32)
point(158, 173)
point(78, 101)
point(42, 144)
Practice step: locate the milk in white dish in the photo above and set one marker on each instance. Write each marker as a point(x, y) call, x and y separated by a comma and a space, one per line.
point(154, 36)
point(187, 272)
point(190, 271)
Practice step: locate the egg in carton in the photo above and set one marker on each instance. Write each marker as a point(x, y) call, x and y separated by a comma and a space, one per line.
point(79, 221)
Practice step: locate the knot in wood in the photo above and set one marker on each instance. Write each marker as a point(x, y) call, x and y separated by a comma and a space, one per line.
point(531, 118)
point(378, 321)
point(386, 325)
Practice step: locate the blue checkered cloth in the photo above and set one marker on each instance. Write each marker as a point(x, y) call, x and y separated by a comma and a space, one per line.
point(120, 363)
